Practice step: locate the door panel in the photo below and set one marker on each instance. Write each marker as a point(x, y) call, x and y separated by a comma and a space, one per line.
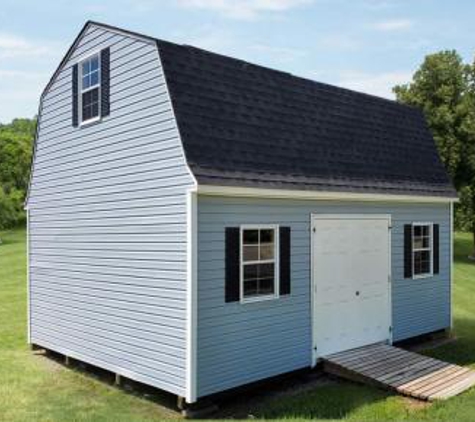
point(351, 286)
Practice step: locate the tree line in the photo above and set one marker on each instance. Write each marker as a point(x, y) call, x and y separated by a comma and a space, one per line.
point(443, 88)
point(16, 140)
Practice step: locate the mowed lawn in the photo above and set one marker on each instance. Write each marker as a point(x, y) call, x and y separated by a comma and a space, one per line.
point(36, 388)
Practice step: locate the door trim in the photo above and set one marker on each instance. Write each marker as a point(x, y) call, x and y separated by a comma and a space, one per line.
point(317, 216)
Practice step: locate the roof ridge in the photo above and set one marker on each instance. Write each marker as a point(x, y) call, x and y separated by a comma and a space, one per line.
point(246, 62)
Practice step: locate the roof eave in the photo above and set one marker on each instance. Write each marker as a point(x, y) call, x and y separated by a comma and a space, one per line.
point(250, 192)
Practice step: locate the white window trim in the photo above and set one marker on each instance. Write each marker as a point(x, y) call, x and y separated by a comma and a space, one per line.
point(431, 250)
point(276, 293)
point(82, 91)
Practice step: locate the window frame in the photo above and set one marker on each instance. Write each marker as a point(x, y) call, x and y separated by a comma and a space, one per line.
point(83, 91)
point(430, 249)
point(275, 261)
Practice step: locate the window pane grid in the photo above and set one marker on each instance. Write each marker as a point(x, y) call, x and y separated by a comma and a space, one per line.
point(90, 73)
point(90, 88)
point(258, 262)
point(422, 249)
point(90, 104)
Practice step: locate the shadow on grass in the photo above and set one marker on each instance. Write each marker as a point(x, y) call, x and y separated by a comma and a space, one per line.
point(5, 240)
point(336, 400)
point(463, 248)
point(159, 397)
point(12, 236)
point(303, 394)
point(460, 351)
point(300, 395)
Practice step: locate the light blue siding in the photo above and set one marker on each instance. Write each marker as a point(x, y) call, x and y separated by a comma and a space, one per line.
point(107, 210)
point(238, 344)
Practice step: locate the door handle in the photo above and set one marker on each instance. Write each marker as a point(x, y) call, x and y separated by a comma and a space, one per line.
point(357, 293)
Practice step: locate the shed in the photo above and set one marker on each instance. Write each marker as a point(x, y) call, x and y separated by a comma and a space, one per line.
point(197, 222)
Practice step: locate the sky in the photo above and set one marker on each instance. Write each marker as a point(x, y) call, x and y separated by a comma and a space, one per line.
point(366, 45)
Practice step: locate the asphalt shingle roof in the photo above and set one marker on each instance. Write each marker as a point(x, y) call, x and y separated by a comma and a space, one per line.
point(247, 125)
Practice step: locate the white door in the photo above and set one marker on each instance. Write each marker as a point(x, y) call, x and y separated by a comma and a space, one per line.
point(351, 282)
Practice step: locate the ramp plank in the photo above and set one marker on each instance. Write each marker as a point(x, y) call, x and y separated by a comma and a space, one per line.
point(399, 370)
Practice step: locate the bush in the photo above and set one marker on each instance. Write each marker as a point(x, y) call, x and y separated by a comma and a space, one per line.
point(16, 141)
point(11, 208)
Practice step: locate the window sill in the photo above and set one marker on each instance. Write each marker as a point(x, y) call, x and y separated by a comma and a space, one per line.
point(90, 121)
point(420, 276)
point(257, 299)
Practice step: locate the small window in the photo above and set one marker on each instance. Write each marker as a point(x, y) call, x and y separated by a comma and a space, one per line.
point(259, 264)
point(90, 88)
point(422, 249)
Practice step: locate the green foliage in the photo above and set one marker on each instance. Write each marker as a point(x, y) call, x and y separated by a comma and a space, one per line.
point(15, 156)
point(439, 88)
point(444, 89)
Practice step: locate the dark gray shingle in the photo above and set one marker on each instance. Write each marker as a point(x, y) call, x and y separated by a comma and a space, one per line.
point(247, 125)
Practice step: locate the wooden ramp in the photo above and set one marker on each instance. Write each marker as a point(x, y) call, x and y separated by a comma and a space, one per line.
point(405, 372)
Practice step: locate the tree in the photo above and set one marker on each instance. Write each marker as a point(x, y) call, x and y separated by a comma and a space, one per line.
point(15, 158)
point(465, 210)
point(444, 89)
point(438, 88)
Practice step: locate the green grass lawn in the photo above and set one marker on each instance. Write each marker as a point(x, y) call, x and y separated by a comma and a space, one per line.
point(36, 388)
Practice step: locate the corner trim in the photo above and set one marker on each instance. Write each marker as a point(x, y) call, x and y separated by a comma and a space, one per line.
point(28, 284)
point(213, 190)
point(451, 273)
point(192, 296)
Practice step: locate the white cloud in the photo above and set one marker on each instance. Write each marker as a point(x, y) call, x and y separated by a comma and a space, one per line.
point(26, 65)
point(214, 42)
point(394, 25)
point(244, 9)
point(20, 74)
point(338, 42)
point(21, 90)
point(379, 84)
point(15, 46)
point(379, 4)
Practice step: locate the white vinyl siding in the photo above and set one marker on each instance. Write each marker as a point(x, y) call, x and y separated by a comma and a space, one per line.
point(241, 344)
point(107, 219)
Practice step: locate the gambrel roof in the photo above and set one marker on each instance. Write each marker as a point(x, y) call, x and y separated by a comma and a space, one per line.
point(245, 125)
point(248, 125)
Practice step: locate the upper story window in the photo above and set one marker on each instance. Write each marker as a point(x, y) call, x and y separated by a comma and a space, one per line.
point(422, 249)
point(90, 88)
point(259, 263)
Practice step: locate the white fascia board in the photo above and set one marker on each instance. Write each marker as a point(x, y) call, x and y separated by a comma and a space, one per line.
point(28, 283)
point(215, 190)
point(192, 297)
point(451, 266)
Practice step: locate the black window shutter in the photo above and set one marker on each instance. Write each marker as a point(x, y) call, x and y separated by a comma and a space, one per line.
point(407, 251)
point(284, 260)
point(435, 242)
point(105, 82)
point(74, 85)
point(232, 267)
